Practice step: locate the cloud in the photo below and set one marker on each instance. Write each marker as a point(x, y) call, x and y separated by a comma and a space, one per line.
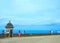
point(28, 21)
point(28, 12)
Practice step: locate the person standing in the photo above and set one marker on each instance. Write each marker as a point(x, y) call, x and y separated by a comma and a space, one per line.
point(19, 33)
point(3, 34)
point(51, 32)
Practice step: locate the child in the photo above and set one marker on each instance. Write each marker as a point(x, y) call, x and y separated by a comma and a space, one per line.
point(19, 34)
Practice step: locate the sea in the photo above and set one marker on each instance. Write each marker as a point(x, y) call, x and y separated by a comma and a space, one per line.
point(34, 29)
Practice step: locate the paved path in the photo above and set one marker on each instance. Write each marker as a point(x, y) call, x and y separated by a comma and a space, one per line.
point(35, 39)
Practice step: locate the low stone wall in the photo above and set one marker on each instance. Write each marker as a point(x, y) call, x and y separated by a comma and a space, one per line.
point(0, 35)
point(26, 35)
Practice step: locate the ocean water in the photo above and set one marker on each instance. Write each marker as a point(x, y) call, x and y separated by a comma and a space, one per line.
point(34, 29)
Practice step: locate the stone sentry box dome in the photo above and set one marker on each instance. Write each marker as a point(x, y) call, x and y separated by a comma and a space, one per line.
point(9, 27)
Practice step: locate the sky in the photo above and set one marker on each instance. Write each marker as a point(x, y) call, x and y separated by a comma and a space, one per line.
point(30, 12)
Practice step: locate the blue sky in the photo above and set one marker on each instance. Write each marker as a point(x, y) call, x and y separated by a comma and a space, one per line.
point(29, 12)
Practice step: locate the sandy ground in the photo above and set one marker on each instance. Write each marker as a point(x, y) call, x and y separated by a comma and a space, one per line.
point(33, 39)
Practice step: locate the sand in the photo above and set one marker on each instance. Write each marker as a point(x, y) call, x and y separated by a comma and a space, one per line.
point(33, 39)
